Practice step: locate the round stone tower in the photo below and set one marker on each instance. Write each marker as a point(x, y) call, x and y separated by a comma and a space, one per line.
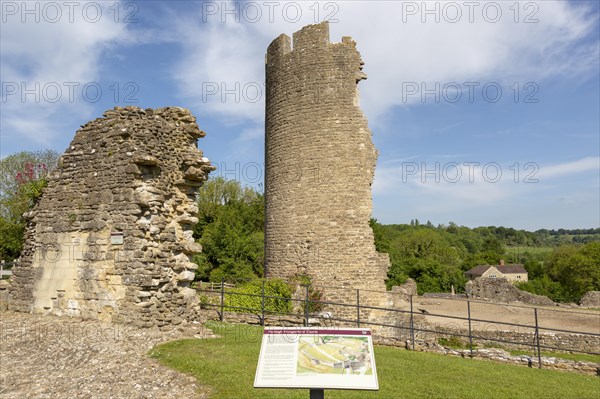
point(320, 161)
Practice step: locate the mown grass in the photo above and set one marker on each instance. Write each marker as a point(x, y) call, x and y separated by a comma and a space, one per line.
point(226, 367)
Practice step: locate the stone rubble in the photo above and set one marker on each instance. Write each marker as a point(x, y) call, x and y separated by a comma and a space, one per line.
point(503, 356)
point(61, 357)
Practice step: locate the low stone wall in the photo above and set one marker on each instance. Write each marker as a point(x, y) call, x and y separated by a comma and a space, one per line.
point(395, 336)
point(523, 339)
point(494, 354)
point(4, 286)
point(591, 300)
point(500, 355)
point(500, 290)
point(429, 341)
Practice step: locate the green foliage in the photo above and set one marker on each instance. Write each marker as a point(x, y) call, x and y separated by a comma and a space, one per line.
point(20, 164)
point(23, 177)
point(454, 342)
point(427, 256)
point(577, 268)
point(544, 286)
point(252, 298)
point(315, 295)
point(437, 257)
point(11, 238)
point(230, 230)
point(570, 272)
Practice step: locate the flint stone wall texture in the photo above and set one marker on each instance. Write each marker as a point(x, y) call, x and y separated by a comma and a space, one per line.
point(133, 173)
point(320, 161)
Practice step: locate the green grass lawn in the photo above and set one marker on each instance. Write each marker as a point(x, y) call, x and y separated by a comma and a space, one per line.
point(226, 366)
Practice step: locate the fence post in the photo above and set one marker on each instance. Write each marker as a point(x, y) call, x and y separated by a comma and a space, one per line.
point(1, 269)
point(262, 305)
point(470, 333)
point(412, 326)
point(537, 337)
point(222, 298)
point(306, 307)
point(357, 307)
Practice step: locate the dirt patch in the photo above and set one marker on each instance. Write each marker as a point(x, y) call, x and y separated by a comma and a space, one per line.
point(549, 318)
point(51, 357)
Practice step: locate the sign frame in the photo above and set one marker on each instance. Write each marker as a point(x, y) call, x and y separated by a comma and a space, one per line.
point(310, 357)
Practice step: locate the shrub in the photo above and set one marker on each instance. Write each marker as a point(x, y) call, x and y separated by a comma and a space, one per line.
point(314, 294)
point(207, 302)
point(251, 300)
point(452, 342)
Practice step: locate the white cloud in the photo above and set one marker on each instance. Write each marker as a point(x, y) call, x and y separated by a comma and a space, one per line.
point(452, 182)
point(52, 58)
point(478, 195)
point(568, 168)
point(396, 46)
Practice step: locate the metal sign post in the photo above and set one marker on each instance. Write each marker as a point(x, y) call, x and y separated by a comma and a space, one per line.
point(317, 394)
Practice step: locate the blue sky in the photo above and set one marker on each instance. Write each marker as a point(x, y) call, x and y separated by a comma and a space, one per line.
point(484, 113)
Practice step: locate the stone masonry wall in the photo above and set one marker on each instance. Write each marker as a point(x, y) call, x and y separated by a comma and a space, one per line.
point(591, 299)
point(500, 290)
point(320, 161)
point(110, 237)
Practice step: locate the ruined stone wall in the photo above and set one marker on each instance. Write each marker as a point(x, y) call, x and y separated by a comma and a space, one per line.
point(591, 299)
point(320, 161)
point(110, 237)
point(500, 290)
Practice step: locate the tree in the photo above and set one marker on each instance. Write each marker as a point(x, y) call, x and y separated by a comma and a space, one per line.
point(230, 230)
point(544, 286)
point(21, 163)
point(426, 256)
point(576, 268)
point(22, 178)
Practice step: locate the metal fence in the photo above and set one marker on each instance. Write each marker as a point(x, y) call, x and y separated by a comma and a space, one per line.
point(532, 334)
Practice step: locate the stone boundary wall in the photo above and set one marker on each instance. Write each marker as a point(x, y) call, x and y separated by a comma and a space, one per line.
point(396, 336)
point(591, 300)
point(500, 290)
point(428, 342)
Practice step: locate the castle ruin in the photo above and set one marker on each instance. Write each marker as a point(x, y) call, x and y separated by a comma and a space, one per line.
point(320, 163)
point(111, 237)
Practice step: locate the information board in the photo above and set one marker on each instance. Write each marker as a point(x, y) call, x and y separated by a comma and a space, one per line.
point(316, 357)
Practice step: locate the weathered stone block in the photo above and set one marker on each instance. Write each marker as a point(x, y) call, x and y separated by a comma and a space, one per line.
point(95, 237)
point(320, 162)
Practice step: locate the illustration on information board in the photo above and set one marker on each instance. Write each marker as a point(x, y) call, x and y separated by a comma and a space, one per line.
point(334, 355)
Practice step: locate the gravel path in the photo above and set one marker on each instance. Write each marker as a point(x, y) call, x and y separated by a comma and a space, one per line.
point(51, 357)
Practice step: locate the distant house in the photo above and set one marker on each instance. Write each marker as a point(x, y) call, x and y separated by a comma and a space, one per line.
point(512, 273)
